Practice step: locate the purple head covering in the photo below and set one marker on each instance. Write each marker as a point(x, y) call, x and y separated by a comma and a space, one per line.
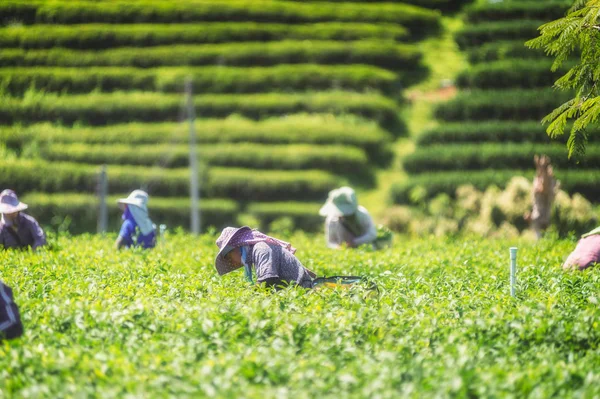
point(232, 237)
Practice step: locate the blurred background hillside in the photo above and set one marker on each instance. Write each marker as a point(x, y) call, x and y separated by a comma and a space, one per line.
point(292, 99)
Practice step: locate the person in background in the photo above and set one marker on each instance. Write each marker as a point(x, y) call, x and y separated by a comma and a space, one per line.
point(545, 188)
point(347, 222)
point(10, 320)
point(586, 253)
point(17, 229)
point(273, 259)
point(137, 228)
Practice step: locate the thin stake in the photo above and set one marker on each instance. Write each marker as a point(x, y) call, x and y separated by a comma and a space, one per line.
point(102, 193)
point(194, 181)
point(513, 270)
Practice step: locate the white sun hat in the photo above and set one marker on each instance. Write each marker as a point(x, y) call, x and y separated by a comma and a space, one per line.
point(9, 202)
point(340, 202)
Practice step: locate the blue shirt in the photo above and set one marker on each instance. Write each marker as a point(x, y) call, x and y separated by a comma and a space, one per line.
point(129, 231)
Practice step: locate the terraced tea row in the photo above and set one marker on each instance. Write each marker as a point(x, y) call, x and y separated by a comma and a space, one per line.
point(494, 131)
point(383, 54)
point(417, 19)
point(80, 211)
point(344, 160)
point(445, 157)
point(212, 79)
point(119, 107)
point(233, 183)
point(428, 185)
point(510, 104)
point(105, 36)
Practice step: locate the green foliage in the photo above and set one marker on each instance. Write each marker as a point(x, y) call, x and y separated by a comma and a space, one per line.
point(574, 35)
point(385, 54)
point(493, 156)
point(515, 104)
point(493, 213)
point(503, 50)
point(494, 131)
point(102, 36)
point(304, 216)
point(257, 185)
point(508, 74)
point(292, 129)
point(443, 5)
point(162, 323)
point(584, 182)
point(418, 20)
point(343, 159)
point(216, 79)
point(233, 183)
point(119, 107)
point(511, 10)
point(82, 209)
point(475, 35)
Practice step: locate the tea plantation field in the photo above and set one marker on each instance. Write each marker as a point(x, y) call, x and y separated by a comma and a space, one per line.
point(163, 324)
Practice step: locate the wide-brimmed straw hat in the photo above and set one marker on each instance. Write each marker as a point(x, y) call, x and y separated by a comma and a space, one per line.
point(340, 202)
point(9, 202)
point(137, 198)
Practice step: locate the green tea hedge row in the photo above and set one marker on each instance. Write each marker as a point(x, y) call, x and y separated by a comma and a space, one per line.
point(305, 216)
point(510, 73)
point(503, 50)
point(495, 156)
point(493, 131)
point(418, 20)
point(511, 10)
point(585, 182)
point(293, 129)
point(81, 211)
point(385, 54)
point(233, 183)
point(103, 36)
point(515, 104)
point(117, 107)
point(343, 159)
point(444, 5)
point(477, 34)
point(210, 79)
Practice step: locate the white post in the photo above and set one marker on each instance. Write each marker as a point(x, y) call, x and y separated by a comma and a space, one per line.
point(513, 270)
point(102, 192)
point(194, 182)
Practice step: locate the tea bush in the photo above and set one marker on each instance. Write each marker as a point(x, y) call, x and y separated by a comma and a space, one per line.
point(81, 210)
point(503, 50)
point(509, 104)
point(102, 36)
point(385, 54)
point(217, 182)
point(428, 185)
point(343, 159)
point(509, 74)
point(538, 10)
point(494, 131)
point(418, 20)
point(475, 35)
point(299, 78)
point(290, 129)
point(494, 156)
point(101, 323)
point(120, 107)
